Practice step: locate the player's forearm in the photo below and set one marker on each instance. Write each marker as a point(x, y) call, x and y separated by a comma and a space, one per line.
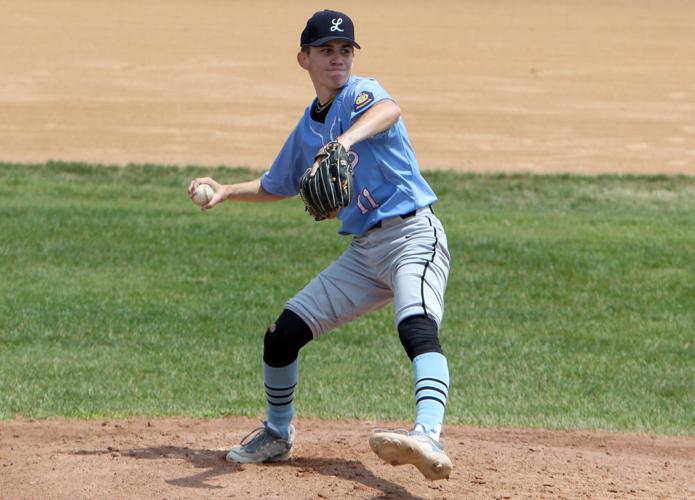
point(248, 191)
point(380, 117)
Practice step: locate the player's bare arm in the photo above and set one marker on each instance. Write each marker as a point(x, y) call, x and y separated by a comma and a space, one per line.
point(375, 120)
point(242, 191)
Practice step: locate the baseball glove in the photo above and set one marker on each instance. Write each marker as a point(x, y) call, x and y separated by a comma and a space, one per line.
point(330, 188)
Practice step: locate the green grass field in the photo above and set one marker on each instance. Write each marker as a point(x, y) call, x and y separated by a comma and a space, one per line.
point(571, 301)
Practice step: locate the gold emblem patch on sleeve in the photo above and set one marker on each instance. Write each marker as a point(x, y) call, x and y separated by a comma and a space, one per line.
point(362, 99)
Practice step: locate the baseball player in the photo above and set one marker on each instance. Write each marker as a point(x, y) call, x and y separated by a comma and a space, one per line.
point(398, 251)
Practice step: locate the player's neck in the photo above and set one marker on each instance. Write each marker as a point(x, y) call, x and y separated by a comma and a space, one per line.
point(325, 96)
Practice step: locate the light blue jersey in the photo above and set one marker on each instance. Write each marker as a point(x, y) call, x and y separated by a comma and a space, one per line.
point(387, 179)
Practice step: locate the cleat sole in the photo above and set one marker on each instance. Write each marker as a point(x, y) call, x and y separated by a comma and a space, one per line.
point(399, 450)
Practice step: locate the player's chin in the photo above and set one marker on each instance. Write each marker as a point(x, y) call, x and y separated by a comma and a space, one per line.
point(339, 78)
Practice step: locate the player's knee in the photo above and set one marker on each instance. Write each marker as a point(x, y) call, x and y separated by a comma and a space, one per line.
point(284, 339)
point(419, 335)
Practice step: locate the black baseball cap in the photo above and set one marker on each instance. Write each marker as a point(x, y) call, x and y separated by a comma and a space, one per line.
point(327, 25)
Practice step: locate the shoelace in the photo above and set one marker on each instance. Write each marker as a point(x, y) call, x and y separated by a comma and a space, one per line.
point(259, 431)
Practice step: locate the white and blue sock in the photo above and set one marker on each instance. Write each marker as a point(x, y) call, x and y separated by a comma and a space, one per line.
point(431, 392)
point(280, 384)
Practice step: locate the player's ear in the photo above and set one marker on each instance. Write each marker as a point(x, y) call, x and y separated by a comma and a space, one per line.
point(303, 59)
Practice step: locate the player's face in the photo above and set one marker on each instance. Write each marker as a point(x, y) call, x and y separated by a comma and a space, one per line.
point(329, 65)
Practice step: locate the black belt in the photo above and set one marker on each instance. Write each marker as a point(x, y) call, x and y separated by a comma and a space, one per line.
point(402, 216)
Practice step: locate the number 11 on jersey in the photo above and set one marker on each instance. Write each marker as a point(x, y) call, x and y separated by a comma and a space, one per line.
point(368, 198)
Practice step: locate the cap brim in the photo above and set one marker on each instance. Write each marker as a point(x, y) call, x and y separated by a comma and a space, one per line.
point(322, 41)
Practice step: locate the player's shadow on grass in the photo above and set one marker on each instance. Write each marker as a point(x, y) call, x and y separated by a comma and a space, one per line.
point(215, 466)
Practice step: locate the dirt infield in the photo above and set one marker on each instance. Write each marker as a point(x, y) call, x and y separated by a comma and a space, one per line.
point(537, 86)
point(176, 458)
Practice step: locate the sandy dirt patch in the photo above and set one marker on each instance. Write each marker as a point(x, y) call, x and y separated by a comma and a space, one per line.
point(540, 86)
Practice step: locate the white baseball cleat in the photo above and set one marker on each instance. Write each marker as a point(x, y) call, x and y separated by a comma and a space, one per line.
point(399, 447)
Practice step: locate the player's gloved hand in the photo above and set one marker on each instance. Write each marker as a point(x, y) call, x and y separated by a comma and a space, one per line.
point(219, 195)
point(326, 187)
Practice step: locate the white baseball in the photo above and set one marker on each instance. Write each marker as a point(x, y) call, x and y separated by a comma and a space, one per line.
point(203, 194)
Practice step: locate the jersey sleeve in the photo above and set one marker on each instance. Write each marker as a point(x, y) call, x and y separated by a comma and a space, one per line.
point(283, 176)
point(364, 95)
